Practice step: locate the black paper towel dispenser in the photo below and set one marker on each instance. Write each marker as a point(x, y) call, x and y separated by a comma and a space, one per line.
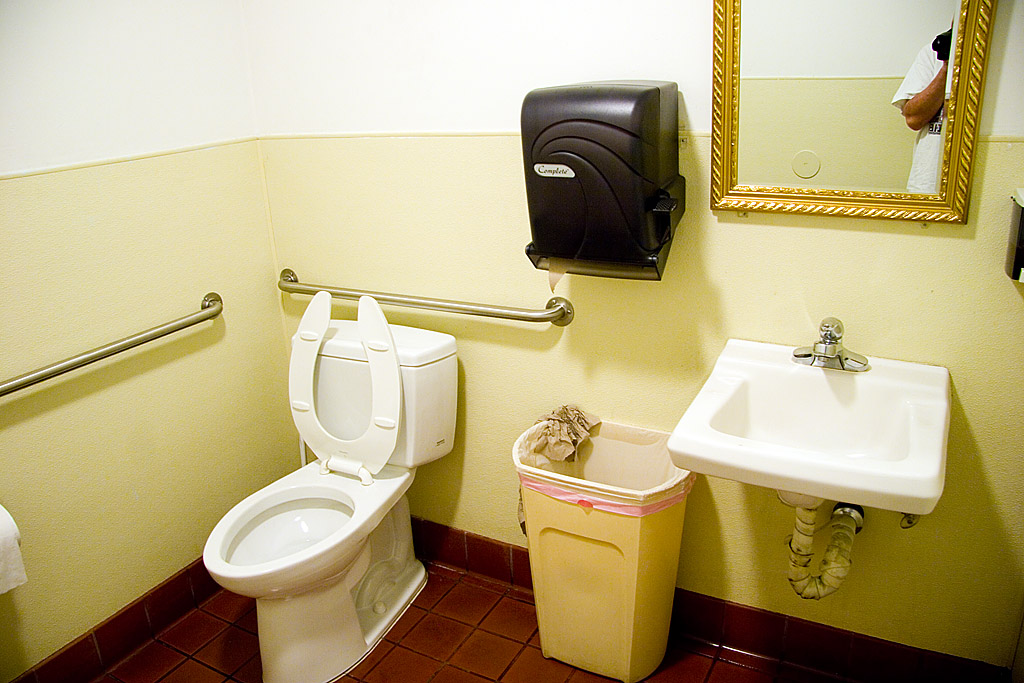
point(602, 176)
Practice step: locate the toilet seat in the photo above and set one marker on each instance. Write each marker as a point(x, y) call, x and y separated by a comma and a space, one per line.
point(368, 453)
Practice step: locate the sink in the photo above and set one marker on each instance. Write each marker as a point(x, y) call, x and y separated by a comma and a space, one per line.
point(874, 438)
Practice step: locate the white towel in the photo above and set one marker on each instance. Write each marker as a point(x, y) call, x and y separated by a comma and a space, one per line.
point(12, 569)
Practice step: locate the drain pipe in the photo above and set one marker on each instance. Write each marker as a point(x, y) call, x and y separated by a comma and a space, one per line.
point(847, 520)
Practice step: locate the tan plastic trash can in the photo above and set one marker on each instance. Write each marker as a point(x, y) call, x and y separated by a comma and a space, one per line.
point(603, 533)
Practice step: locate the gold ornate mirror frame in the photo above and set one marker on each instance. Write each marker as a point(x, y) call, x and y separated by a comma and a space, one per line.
point(949, 205)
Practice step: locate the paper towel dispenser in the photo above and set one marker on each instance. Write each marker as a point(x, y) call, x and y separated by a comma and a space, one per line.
point(602, 176)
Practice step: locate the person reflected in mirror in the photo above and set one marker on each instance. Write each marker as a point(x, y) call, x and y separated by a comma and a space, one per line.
point(922, 97)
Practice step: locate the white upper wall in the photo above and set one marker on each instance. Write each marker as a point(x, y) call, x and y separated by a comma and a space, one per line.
point(867, 38)
point(461, 65)
point(83, 81)
point(86, 80)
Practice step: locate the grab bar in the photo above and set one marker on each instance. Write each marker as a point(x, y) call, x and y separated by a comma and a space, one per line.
point(211, 307)
point(558, 311)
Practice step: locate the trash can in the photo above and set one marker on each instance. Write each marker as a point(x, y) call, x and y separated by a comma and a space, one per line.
point(603, 533)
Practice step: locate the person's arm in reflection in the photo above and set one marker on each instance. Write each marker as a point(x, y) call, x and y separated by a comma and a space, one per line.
point(921, 98)
point(920, 109)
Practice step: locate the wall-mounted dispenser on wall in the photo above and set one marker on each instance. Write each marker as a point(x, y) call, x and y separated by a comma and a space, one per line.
point(602, 176)
point(1015, 250)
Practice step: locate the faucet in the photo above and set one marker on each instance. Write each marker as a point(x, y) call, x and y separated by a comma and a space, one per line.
point(828, 351)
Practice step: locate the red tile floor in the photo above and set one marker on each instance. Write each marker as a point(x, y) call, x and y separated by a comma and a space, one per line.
point(463, 628)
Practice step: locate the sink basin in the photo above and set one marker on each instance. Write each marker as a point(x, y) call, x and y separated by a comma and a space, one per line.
point(875, 438)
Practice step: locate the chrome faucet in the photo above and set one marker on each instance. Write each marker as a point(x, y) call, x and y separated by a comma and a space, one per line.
point(828, 351)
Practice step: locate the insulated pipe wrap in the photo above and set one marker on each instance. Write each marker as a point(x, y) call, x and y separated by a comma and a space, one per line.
point(835, 565)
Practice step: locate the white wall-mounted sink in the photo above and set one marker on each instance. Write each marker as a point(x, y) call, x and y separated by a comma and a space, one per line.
point(875, 438)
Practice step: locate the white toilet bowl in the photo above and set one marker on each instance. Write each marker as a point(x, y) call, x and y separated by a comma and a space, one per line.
point(327, 550)
point(299, 532)
point(330, 563)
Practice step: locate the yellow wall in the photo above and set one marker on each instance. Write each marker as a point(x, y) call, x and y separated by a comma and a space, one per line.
point(446, 217)
point(117, 472)
point(860, 139)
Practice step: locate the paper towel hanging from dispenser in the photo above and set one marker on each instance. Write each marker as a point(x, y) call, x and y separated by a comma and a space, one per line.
point(602, 176)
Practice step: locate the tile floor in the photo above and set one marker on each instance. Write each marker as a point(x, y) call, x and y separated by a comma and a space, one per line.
point(463, 628)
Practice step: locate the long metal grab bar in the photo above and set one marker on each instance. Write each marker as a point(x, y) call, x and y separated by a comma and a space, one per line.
point(211, 307)
point(558, 311)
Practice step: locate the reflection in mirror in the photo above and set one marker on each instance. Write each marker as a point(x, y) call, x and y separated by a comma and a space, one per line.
point(820, 114)
point(815, 108)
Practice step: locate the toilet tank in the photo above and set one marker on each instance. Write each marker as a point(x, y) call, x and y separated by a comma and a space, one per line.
point(429, 386)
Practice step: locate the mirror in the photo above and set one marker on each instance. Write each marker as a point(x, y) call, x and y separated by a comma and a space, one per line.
point(803, 119)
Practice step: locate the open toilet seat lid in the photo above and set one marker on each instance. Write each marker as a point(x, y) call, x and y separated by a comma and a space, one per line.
point(374, 447)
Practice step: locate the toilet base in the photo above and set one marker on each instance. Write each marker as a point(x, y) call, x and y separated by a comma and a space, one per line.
point(319, 635)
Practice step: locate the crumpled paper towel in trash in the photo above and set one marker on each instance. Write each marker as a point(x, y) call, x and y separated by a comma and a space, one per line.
point(558, 436)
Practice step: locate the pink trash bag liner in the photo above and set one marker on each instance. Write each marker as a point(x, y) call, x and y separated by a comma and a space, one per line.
point(621, 469)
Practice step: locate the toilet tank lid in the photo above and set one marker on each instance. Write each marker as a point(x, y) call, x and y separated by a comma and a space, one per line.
point(415, 346)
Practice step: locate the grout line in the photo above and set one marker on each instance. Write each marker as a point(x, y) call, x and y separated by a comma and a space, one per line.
point(96, 647)
point(515, 659)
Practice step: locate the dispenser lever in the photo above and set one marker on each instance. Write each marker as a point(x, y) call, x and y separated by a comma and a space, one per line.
point(665, 205)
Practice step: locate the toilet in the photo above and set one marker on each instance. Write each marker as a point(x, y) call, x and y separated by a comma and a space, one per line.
point(327, 550)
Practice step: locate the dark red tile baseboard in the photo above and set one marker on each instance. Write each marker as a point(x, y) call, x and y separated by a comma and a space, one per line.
point(778, 645)
point(769, 645)
point(102, 648)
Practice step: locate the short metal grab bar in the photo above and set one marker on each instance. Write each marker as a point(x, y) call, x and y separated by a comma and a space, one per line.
point(211, 307)
point(557, 312)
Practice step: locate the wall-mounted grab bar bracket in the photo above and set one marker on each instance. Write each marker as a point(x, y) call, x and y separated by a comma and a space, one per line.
point(210, 307)
point(558, 311)
point(210, 300)
point(563, 303)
